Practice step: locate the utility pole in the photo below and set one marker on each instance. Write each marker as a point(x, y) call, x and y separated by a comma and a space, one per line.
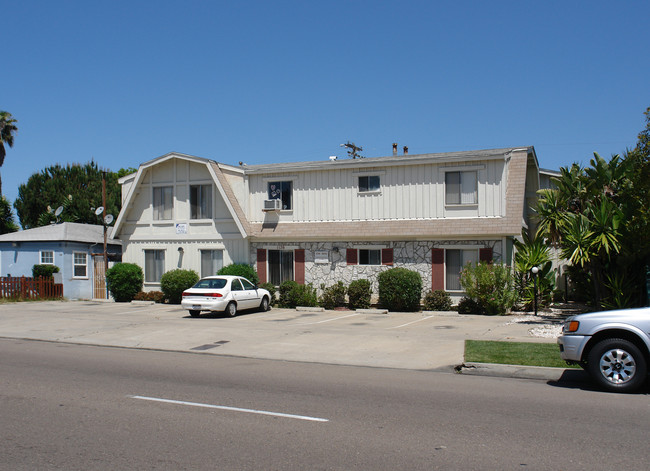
point(104, 221)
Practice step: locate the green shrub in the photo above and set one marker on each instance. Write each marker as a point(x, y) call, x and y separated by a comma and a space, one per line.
point(491, 285)
point(240, 269)
point(124, 281)
point(270, 287)
point(155, 296)
point(174, 282)
point(287, 289)
point(437, 300)
point(359, 294)
point(44, 270)
point(469, 306)
point(400, 290)
point(334, 296)
point(293, 294)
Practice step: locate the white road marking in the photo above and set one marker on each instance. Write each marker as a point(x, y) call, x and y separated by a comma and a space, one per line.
point(412, 322)
point(327, 320)
point(235, 409)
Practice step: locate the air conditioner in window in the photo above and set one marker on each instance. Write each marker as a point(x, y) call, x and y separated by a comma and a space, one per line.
point(272, 205)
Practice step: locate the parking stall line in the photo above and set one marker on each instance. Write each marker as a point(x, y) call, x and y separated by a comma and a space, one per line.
point(327, 320)
point(232, 409)
point(412, 322)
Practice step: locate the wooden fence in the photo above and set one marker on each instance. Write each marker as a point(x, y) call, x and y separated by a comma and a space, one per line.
point(30, 288)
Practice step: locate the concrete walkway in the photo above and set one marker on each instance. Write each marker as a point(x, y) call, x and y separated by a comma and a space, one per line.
point(421, 341)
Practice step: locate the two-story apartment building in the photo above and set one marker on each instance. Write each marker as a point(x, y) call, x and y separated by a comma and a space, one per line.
point(325, 221)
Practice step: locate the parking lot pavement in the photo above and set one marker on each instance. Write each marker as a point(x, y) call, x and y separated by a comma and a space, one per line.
point(394, 340)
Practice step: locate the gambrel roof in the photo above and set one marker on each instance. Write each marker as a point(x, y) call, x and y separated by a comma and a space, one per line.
point(519, 161)
point(212, 167)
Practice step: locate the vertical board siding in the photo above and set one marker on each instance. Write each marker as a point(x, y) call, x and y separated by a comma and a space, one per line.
point(407, 192)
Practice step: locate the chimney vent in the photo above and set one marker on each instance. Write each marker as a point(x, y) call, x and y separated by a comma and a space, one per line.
point(406, 150)
point(394, 148)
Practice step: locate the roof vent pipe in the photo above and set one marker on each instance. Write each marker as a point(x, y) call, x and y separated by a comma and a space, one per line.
point(406, 150)
point(394, 148)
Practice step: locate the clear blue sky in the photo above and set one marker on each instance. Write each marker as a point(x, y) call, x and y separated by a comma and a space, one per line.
point(123, 82)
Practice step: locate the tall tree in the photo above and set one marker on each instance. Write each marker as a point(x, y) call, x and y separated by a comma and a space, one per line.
point(600, 218)
point(77, 188)
point(7, 223)
point(7, 130)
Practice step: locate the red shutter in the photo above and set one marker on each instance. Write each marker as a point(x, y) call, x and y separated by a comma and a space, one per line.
point(351, 256)
point(386, 256)
point(437, 269)
point(261, 265)
point(299, 257)
point(485, 255)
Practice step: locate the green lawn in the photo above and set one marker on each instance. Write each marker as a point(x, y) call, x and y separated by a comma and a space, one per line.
point(514, 353)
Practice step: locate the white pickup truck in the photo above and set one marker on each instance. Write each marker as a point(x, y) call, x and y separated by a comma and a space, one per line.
point(613, 346)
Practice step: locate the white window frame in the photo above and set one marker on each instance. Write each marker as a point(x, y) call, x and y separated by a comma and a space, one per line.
point(75, 265)
point(476, 169)
point(369, 249)
point(40, 259)
point(368, 189)
point(462, 195)
point(462, 248)
point(293, 263)
point(146, 271)
point(159, 212)
point(281, 180)
point(201, 251)
point(200, 206)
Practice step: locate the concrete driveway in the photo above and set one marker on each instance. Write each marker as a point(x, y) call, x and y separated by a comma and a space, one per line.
point(420, 341)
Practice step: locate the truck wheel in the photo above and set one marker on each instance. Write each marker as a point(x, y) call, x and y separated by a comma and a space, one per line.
point(194, 313)
point(617, 365)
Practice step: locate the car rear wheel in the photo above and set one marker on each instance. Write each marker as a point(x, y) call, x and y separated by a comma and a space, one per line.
point(617, 365)
point(194, 313)
point(231, 310)
point(264, 305)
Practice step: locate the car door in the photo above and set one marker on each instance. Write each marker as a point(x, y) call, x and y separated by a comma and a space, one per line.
point(237, 293)
point(250, 293)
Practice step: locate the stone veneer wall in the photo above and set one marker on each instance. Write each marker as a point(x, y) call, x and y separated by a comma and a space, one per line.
point(407, 254)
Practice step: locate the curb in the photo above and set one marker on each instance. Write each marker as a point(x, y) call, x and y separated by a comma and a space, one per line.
point(510, 371)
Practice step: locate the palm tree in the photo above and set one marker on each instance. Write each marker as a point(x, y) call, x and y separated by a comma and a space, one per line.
point(7, 130)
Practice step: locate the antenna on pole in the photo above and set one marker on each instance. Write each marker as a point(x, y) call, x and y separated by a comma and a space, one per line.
point(353, 150)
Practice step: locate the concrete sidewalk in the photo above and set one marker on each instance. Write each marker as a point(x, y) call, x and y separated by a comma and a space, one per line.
point(420, 341)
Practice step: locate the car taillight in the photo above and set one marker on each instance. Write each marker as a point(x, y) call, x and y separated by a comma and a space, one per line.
point(207, 295)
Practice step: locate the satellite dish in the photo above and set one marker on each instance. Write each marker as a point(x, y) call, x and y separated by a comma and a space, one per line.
point(108, 219)
point(99, 210)
point(58, 211)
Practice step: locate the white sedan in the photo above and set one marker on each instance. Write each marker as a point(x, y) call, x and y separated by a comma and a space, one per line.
point(225, 294)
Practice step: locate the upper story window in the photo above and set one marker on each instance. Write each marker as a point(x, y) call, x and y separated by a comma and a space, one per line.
point(47, 257)
point(281, 191)
point(200, 201)
point(80, 265)
point(162, 202)
point(460, 187)
point(369, 183)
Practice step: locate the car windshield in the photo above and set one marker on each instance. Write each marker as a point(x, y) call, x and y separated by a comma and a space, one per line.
point(211, 283)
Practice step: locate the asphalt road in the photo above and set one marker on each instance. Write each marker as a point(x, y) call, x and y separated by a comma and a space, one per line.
point(79, 407)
